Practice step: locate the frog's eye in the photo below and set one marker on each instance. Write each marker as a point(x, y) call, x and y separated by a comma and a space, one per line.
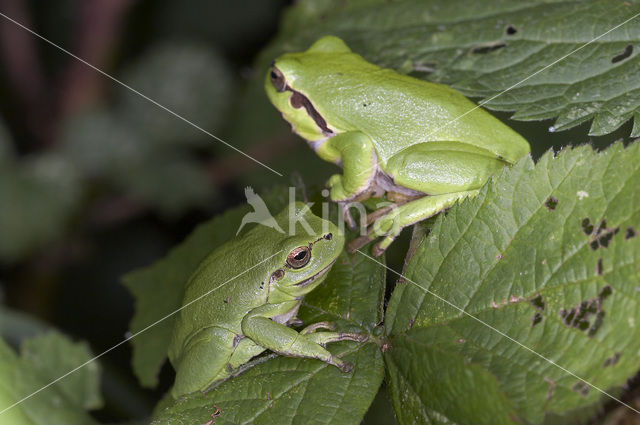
point(277, 79)
point(299, 257)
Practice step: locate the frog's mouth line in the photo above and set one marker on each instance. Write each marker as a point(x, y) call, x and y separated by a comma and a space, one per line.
point(315, 276)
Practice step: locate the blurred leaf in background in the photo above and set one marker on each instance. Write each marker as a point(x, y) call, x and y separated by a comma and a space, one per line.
point(38, 196)
point(42, 359)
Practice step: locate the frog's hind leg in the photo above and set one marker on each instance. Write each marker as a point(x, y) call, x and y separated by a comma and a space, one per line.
point(244, 351)
point(444, 171)
point(205, 359)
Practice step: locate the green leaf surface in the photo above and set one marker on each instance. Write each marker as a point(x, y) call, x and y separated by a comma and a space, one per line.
point(42, 360)
point(303, 391)
point(484, 48)
point(287, 390)
point(548, 255)
point(158, 289)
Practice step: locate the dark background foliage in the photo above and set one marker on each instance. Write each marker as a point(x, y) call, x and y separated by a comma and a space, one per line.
point(96, 181)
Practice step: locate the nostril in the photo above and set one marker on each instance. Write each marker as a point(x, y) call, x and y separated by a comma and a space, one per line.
point(328, 236)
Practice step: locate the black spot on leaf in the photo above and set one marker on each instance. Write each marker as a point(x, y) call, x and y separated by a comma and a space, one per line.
point(537, 303)
point(510, 30)
point(537, 318)
point(606, 238)
point(587, 227)
point(605, 292)
point(628, 51)
point(488, 48)
point(630, 233)
point(610, 361)
point(581, 388)
point(551, 203)
point(603, 235)
point(588, 316)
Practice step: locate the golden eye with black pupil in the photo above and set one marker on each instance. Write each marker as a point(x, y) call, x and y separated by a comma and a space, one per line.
point(277, 79)
point(299, 257)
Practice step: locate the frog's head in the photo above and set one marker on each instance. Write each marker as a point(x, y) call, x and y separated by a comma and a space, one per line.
point(294, 85)
point(305, 258)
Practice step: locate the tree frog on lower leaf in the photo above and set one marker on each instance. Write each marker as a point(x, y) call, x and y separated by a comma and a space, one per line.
point(241, 298)
point(423, 145)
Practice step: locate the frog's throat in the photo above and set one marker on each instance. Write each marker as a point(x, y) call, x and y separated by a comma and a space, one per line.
point(311, 279)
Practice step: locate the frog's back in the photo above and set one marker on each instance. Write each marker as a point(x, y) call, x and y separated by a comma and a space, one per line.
point(398, 111)
point(216, 295)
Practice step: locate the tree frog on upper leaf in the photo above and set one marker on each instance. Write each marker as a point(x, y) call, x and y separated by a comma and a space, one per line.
point(422, 144)
point(240, 299)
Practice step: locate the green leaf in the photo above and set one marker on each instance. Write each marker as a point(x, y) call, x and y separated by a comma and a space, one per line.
point(42, 360)
point(484, 48)
point(287, 390)
point(158, 289)
point(547, 255)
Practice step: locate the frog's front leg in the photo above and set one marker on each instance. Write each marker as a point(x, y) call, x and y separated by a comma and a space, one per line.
point(281, 339)
point(355, 151)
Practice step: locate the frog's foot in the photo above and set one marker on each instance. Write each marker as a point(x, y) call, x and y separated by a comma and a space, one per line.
point(357, 243)
point(320, 325)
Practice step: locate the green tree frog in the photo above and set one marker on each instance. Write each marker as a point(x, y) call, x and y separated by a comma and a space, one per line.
point(423, 145)
point(241, 298)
